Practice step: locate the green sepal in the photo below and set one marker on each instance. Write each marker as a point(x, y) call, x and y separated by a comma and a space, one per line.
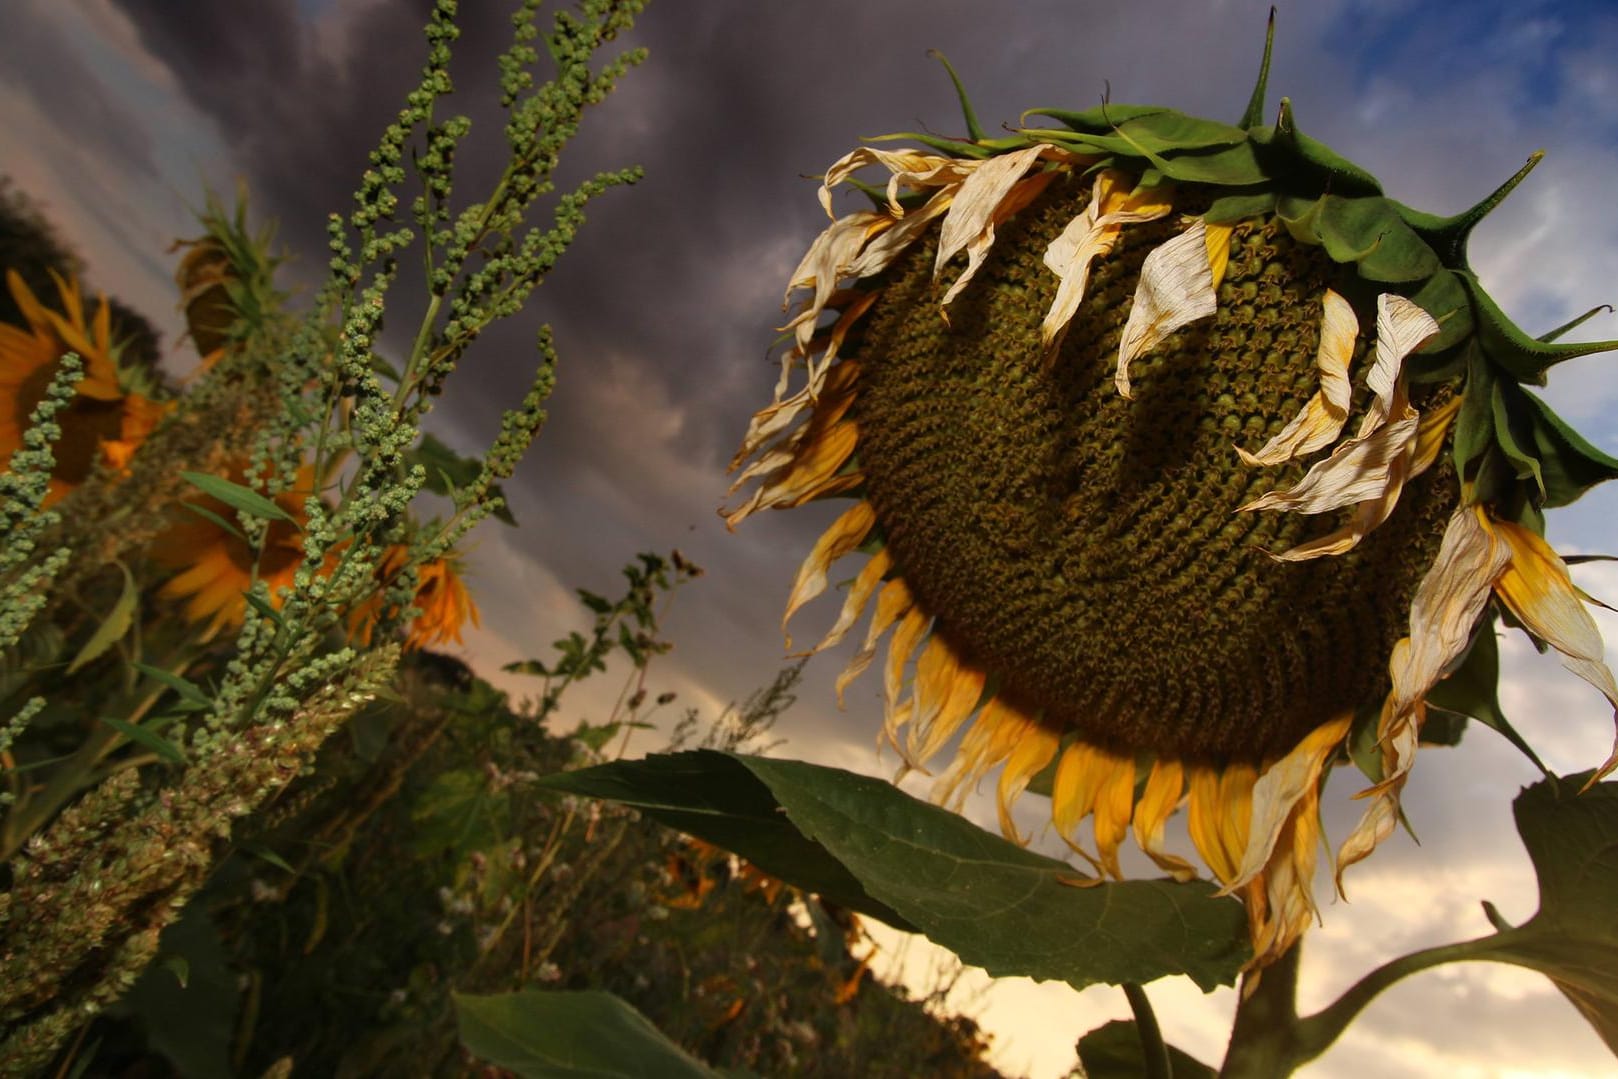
point(942, 143)
point(1507, 420)
point(1474, 423)
point(1472, 690)
point(1253, 115)
point(1306, 164)
point(1362, 744)
point(1568, 465)
point(1574, 323)
point(1233, 208)
point(1523, 357)
point(1226, 166)
point(1230, 166)
point(1448, 235)
point(973, 128)
point(1367, 232)
point(1146, 129)
point(1443, 297)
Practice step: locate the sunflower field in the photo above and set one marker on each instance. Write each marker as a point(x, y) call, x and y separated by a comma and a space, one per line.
point(1179, 465)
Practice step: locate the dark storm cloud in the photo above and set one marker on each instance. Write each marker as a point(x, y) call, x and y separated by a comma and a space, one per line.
point(36, 61)
point(664, 309)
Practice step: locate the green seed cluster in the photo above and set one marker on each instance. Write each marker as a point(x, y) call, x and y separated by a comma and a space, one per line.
point(1088, 550)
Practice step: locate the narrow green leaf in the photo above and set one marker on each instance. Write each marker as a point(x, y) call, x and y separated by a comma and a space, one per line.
point(113, 627)
point(265, 854)
point(189, 691)
point(214, 519)
point(177, 965)
point(239, 498)
point(997, 905)
point(1114, 1051)
point(570, 1035)
point(145, 737)
point(526, 666)
point(265, 609)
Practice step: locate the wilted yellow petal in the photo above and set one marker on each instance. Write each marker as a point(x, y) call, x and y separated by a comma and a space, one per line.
point(1359, 470)
point(1157, 803)
point(1321, 419)
point(888, 245)
point(824, 264)
point(1435, 423)
point(909, 168)
point(859, 595)
point(1176, 288)
point(1114, 803)
point(892, 603)
point(1443, 615)
point(1287, 881)
point(1089, 236)
point(1401, 328)
point(1218, 237)
point(975, 210)
point(1537, 588)
point(814, 472)
point(1034, 751)
point(1280, 789)
point(1218, 810)
point(896, 711)
point(939, 717)
point(999, 729)
point(845, 534)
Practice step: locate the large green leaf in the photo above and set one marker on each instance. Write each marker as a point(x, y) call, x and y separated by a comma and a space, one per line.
point(995, 904)
point(556, 1035)
point(1572, 840)
point(1114, 1051)
point(714, 797)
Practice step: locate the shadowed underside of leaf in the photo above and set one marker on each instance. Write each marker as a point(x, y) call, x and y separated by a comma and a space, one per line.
point(1572, 839)
point(558, 1035)
point(863, 843)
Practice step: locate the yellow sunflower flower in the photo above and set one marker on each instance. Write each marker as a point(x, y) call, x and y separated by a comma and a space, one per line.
point(1180, 454)
point(441, 593)
point(217, 567)
point(102, 423)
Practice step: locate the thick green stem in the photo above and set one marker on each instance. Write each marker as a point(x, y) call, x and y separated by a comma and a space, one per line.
point(1154, 1053)
point(1264, 1040)
point(1315, 1034)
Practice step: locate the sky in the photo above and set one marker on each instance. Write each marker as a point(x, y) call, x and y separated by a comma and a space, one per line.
point(117, 116)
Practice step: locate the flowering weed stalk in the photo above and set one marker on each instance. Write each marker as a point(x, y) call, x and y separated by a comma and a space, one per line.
point(299, 449)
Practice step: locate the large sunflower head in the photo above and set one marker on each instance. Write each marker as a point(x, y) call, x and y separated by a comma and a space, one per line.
point(1182, 458)
point(103, 422)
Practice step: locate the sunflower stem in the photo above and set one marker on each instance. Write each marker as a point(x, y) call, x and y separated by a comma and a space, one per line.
point(1264, 1040)
point(1154, 1053)
point(1315, 1034)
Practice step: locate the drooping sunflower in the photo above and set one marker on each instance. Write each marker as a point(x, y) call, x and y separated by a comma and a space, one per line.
point(445, 602)
point(103, 422)
point(1184, 460)
point(216, 566)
